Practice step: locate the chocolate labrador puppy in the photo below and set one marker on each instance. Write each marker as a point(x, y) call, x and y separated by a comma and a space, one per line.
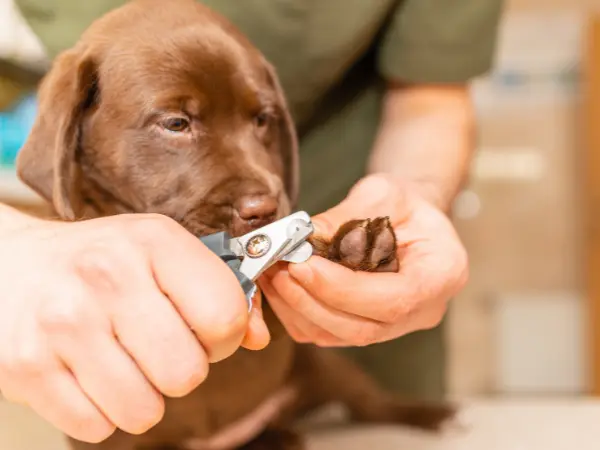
point(172, 111)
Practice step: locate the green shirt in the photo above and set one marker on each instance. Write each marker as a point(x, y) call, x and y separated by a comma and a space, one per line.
point(333, 57)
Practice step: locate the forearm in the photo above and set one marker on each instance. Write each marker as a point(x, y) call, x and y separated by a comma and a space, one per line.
point(426, 137)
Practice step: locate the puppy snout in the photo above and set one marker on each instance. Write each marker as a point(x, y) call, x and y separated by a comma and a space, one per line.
point(254, 211)
point(256, 207)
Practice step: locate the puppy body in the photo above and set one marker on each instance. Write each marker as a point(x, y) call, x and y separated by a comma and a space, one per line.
point(172, 111)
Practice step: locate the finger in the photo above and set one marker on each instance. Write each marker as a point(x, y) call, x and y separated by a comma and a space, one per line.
point(372, 196)
point(112, 380)
point(297, 325)
point(425, 318)
point(428, 316)
point(371, 295)
point(149, 328)
point(57, 398)
point(203, 289)
point(257, 336)
point(348, 328)
point(304, 331)
point(385, 297)
point(288, 319)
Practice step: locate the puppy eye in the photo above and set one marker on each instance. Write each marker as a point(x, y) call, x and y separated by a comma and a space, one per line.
point(175, 124)
point(261, 120)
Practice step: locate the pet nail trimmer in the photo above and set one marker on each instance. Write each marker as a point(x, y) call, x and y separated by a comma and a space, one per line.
point(253, 253)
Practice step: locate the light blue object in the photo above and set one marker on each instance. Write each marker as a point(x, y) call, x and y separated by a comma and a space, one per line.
point(15, 125)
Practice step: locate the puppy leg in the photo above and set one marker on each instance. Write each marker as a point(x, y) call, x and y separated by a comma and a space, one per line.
point(366, 245)
point(326, 377)
point(276, 439)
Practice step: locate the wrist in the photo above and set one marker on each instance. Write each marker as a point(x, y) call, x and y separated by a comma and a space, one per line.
point(435, 193)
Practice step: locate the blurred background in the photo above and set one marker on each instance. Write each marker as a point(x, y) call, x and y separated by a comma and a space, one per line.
point(528, 324)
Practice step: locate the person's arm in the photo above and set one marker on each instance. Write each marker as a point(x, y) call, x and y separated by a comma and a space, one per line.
point(431, 49)
point(426, 137)
point(98, 320)
point(430, 52)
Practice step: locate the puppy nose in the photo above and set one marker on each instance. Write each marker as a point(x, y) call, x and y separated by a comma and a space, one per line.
point(256, 207)
point(255, 211)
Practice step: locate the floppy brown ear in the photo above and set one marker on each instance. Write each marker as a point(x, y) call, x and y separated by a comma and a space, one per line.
point(287, 140)
point(47, 160)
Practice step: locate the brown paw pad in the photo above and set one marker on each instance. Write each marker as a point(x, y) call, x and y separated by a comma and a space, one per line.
point(367, 245)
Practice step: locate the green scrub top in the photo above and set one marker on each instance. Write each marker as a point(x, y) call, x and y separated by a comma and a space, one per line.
point(333, 57)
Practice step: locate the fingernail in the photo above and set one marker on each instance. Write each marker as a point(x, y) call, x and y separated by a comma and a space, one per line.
point(318, 228)
point(302, 273)
point(254, 302)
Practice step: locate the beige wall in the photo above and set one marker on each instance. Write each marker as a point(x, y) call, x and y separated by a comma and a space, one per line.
point(524, 235)
point(536, 5)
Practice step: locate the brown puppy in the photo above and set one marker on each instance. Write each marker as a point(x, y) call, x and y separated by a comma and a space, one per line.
point(172, 111)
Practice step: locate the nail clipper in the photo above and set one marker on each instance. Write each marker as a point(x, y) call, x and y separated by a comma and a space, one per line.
point(253, 253)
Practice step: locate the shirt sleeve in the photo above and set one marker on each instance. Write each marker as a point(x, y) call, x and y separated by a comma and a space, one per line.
point(440, 41)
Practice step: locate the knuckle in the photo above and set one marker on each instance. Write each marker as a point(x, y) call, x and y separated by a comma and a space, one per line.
point(293, 300)
point(101, 266)
point(185, 380)
point(223, 339)
point(25, 364)
point(91, 428)
point(399, 311)
point(365, 335)
point(298, 336)
point(152, 416)
point(150, 226)
point(230, 326)
point(321, 337)
point(68, 314)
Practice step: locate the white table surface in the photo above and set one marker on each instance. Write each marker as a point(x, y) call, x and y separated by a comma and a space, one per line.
point(486, 425)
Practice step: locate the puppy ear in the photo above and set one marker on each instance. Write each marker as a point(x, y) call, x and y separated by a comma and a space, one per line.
point(287, 139)
point(47, 160)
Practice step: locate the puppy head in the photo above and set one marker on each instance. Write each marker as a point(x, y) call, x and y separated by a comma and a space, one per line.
point(164, 110)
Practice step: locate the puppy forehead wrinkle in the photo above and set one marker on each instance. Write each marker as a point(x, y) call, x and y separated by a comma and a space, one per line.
point(189, 60)
point(186, 47)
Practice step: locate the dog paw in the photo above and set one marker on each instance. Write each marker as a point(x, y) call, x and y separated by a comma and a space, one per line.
point(276, 439)
point(431, 417)
point(426, 417)
point(367, 245)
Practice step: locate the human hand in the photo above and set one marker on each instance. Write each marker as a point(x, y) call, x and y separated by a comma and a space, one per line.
point(327, 304)
point(99, 318)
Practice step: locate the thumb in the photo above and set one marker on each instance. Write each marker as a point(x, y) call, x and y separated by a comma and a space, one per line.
point(373, 196)
point(257, 336)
